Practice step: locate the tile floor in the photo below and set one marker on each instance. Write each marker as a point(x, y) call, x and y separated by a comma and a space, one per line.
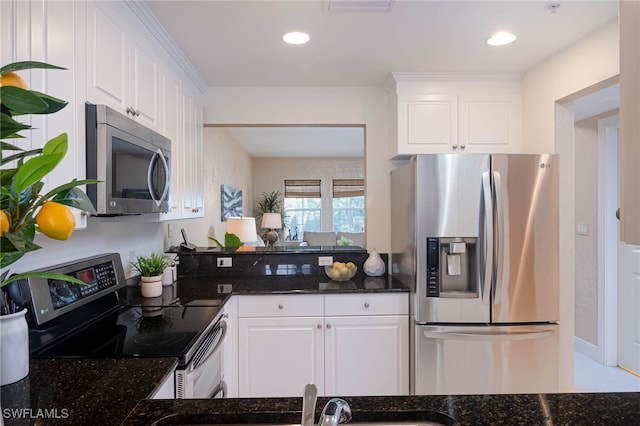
point(590, 376)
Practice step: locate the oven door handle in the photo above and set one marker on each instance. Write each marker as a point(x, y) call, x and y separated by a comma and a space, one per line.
point(197, 371)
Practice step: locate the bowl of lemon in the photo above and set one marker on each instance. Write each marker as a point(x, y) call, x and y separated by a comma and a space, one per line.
point(341, 271)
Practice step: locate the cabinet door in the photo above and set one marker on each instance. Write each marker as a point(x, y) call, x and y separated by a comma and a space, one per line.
point(427, 123)
point(106, 59)
point(367, 355)
point(171, 122)
point(489, 123)
point(191, 166)
point(279, 356)
point(143, 96)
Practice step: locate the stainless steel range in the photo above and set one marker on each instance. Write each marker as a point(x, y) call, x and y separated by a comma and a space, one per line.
point(89, 321)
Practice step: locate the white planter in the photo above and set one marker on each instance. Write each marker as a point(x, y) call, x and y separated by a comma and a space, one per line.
point(151, 286)
point(14, 347)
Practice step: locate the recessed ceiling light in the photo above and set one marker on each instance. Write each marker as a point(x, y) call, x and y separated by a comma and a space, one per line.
point(501, 38)
point(295, 37)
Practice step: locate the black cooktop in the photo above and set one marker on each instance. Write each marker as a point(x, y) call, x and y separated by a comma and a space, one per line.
point(135, 332)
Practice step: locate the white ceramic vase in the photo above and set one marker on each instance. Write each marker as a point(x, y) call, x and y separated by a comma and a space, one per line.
point(151, 286)
point(374, 265)
point(14, 347)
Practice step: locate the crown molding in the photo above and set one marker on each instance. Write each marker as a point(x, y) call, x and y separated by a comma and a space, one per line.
point(150, 21)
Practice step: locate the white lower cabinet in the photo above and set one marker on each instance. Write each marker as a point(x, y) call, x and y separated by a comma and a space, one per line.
point(344, 344)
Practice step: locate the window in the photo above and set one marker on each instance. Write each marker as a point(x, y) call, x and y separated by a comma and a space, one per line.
point(348, 205)
point(302, 202)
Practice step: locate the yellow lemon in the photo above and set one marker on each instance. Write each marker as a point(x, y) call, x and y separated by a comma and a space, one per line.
point(5, 222)
point(55, 220)
point(13, 79)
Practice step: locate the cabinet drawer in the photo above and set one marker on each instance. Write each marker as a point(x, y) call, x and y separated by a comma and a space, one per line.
point(280, 306)
point(366, 304)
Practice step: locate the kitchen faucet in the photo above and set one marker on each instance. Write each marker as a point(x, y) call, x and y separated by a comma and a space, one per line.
point(335, 412)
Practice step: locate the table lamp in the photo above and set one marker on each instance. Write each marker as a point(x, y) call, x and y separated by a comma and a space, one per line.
point(271, 221)
point(243, 227)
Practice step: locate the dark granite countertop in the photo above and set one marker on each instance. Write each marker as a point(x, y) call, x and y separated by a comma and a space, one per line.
point(548, 409)
point(82, 391)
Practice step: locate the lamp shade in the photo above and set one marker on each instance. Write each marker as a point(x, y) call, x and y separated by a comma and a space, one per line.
point(271, 221)
point(243, 227)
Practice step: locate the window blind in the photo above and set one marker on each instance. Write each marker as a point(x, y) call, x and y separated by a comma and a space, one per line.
point(348, 188)
point(302, 188)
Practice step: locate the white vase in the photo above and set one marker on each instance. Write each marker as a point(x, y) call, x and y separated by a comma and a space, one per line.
point(14, 347)
point(374, 265)
point(151, 286)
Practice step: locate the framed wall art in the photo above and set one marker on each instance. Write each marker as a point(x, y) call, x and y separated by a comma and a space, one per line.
point(230, 202)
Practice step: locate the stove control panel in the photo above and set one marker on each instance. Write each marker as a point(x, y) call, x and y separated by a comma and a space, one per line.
point(54, 294)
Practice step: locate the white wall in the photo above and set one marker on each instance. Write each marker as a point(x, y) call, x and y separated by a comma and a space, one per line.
point(127, 236)
point(589, 61)
point(548, 127)
point(320, 105)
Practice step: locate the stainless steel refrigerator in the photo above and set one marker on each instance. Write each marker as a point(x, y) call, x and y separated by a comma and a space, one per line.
point(476, 237)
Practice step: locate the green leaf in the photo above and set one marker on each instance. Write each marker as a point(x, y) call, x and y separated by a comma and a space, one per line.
point(53, 104)
point(6, 146)
point(231, 240)
point(57, 145)
point(216, 241)
point(76, 198)
point(27, 65)
point(46, 275)
point(36, 168)
point(10, 127)
point(20, 155)
point(22, 101)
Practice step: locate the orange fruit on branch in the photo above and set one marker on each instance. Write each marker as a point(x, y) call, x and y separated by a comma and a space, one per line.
point(5, 222)
point(13, 79)
point(55, 220)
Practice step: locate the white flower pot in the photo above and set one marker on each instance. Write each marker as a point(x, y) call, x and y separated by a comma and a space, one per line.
point(14, 347)
point(151, 286)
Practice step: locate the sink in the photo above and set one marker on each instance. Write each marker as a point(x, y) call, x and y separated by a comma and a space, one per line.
point(428, 418)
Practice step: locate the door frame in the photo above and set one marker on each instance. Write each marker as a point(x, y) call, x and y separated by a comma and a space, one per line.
point(608, 236)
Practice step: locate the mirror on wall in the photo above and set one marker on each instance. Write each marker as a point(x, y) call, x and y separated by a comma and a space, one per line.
point(319, 167)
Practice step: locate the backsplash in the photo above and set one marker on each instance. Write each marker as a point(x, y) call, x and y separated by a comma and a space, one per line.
point(264, 262)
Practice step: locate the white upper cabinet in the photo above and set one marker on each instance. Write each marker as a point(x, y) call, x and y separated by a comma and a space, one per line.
point(121, 71)
point(453, 114)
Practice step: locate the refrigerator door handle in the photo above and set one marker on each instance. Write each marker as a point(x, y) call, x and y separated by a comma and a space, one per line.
point(499, 253)
point(486, 233)
point(489, 336)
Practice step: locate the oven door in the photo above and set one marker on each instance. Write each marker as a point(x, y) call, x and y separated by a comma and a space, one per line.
point(202, 377)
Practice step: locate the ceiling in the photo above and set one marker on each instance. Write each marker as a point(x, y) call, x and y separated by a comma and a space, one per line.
point(239, 43)
point(300, 141)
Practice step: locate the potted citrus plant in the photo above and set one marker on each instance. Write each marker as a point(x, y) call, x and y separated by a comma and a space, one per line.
point(151, 268)
point(24, 208)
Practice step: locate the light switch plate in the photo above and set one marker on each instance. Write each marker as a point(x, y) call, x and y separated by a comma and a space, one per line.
point(325, 260)
point(582, 229)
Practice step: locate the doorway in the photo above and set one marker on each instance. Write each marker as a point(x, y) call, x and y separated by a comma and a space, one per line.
point(602, 275)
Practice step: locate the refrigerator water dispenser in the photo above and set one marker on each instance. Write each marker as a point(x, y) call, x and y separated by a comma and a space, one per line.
point(451, 268)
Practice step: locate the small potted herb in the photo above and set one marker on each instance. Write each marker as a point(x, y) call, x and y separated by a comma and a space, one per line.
point(151, 268)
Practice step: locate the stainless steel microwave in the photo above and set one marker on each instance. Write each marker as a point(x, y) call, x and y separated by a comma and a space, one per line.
point(131, 161)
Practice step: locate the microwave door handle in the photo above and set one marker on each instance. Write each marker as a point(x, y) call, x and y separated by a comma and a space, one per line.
point(163, 161)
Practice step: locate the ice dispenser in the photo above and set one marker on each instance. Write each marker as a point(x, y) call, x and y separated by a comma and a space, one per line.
point(452, 267)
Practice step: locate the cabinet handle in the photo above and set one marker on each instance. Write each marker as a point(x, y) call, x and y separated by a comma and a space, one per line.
point(319, 326)
point(454, 147)
point(280, 306)
point(463, 146)
point(328, 325)
point(366, 305)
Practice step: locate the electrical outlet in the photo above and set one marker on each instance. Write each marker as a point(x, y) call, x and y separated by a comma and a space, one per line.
point(325, 260)
point(224, 262)
point(582, 229)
